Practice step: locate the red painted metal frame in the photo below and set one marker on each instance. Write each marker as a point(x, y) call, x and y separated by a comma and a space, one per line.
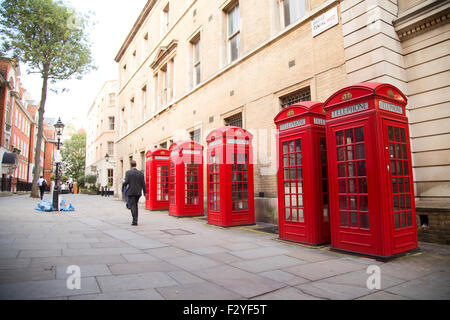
point(372, 107)
point(224, 206)
point(186, 155)
point(303, 122)
point(155, 159)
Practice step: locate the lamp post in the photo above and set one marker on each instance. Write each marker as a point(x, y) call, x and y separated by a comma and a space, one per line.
point(59, 127)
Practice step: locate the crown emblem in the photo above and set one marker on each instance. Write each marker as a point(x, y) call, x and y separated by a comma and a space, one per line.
point(290, 113)
point(391, 93)
point(346, 96)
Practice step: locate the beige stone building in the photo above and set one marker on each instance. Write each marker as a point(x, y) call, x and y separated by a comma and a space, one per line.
point(101, 134)
point(188, 67)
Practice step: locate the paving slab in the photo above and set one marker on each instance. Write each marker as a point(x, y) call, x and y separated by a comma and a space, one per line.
point(198, 291)
point(327, 290)
point(110, 244)
point(25, 275)
point(242, 282)
point(324, 269)
point(45, 289)
point(382, 295)
point(207, 250)
point(147, 294)
point(121, 234)
point(141, 267)
point(191, 263)
point(76, 260)
point(145, 243)
point(86, 271)
point(168, 252)
point(98, 251)
point(267, 263)
point(184, 277)
point(135, 281)
point(259, 252)
point(287, 293)
point(14, 263)
point(139, 257)
point(285, 277)
point(6, 253)
point(39, 253)
point(224, 257)
point(435, 286)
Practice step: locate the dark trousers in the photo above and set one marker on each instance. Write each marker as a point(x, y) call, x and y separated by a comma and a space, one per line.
point(133, 201)
point(42, 190)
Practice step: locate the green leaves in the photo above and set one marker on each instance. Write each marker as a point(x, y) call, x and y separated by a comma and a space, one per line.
point(73, 155)
point(47, 35)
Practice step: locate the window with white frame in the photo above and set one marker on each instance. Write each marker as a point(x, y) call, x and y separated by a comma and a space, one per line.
point(195, 135)
point(234, 32)
point(112, 99)
point(111, 123)
point(291, 10)
point(110, 148)
point(165, 20)
point(143, 101)
point(196, 60)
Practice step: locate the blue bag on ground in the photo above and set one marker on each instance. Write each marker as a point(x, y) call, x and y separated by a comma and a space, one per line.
point(45, 206)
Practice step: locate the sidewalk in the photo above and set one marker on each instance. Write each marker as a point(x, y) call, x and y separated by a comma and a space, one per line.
point(169, 258)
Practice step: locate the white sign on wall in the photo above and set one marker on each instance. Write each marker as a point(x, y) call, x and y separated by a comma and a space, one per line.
point(324, 21)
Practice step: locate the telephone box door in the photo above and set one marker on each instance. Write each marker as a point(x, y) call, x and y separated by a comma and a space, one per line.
point(400, 185)
point(292, 177)
point(353, 212)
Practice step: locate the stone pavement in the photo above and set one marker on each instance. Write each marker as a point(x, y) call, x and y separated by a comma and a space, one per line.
point(169, 258)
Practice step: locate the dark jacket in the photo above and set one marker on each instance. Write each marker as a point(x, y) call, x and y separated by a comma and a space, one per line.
point(135, 181)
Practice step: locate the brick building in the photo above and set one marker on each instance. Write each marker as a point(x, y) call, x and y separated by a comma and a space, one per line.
point(188, 67)
point(18, 120)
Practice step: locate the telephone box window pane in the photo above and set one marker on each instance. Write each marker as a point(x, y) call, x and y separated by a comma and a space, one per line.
point(287, 214)
point(340, 138)
point(342, 186)
point(362, 185)
point(349, 139)
point(396, 220)
point(343, 202)
point(350, 153)
point(397, 134)
point(394, 185)
point(390, 134)
point(340, 154)
point(359, 134)
point(363, 203)
point(344, 219)
point(285, 161)
point(354, 219)
point(285, 147)
point(402, 135)
point(409, 219)
point(364, 220)
point(352, 186)
point(360, 151)
point(362, 168)
point(351, 169)
point(352, 202)
point(294, 215)
point(341, 170)
point(301, 216)
point(404, 154)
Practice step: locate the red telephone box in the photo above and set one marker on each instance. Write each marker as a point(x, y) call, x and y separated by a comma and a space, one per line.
point(186, 179)
point(157, 179)
point(302, 174)
point(371, 183)
point(230, 177)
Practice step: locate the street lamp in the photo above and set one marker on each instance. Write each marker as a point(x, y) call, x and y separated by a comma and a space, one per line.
point(107, 157)
point(59, 127)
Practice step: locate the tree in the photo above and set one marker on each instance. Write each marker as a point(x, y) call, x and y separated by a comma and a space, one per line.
point(51, 40)
point(73, 154)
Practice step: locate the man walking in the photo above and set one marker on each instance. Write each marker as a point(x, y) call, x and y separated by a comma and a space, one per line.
point(135, 181)
point(42, 183)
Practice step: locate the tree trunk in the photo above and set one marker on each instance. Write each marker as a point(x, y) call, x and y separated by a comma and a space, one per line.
point(37, 155)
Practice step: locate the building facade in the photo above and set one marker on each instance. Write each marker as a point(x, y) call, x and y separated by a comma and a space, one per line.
point(188, 67)
point(18, 131)
point(101, 134)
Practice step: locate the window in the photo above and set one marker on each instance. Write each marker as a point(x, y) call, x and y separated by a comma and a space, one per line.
point(234, 120)
point(234, 36)
point(165, 20)
point(196, 61)
point(195, 135)
point(110, 176)
point(163, 145)
point(143, 101)
point(112, 99)
point(111, 123)
point(292, 10)
point(298, 96)
point(110, 148)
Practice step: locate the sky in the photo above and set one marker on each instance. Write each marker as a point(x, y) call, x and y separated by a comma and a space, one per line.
point(113, 21)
